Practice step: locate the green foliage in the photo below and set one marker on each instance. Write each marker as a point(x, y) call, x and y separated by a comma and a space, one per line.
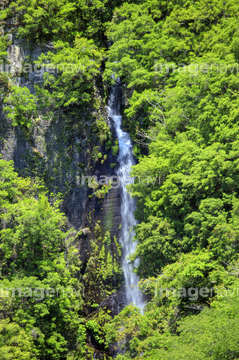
point(108, 265)
point(103, 130)
point(42, 20)
point(53, 20)
point(153, 39)
point(23, 246)
point(70, 73)
point(102, 271)
point(26, 245)
point(196, 160)
point(5, 84)
point(12, 187)
point(134, 332)
point(14, 342)
point(96, 154)
point(115, 148)
point(47, 309)
point(193, 270)
point(21, 107)
point(157, 245)
point(179, 63)
point(172, 326)
point(178, 60)
point(210, 335)
point(101, 192)
point(96, 327)
point(40, 290)
point(4, 43)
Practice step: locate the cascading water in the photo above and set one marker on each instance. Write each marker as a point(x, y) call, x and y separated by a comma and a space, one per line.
point(126, 160)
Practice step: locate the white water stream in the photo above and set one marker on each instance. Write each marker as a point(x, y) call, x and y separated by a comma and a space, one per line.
point(126, 160)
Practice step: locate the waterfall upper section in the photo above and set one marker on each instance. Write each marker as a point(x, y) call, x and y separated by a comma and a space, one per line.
point(128, 205)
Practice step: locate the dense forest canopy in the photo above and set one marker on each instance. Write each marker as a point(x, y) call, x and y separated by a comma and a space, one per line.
point(178, 63)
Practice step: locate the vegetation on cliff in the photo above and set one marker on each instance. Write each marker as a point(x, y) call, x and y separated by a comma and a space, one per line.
point(178, 62)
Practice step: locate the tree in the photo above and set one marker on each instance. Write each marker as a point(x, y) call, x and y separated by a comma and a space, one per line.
point(22, 107)
point(14, 342)
point(71, 73)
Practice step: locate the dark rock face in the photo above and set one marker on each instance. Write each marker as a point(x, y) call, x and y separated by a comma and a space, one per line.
point(57, 155)
point(52, 154)
point(107, 210)
point(59, 152)
point(115, 302)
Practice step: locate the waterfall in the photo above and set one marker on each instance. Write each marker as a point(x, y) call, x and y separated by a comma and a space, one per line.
point(128, 221)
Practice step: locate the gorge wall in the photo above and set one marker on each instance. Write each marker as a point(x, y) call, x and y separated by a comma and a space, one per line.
point(62, 154)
